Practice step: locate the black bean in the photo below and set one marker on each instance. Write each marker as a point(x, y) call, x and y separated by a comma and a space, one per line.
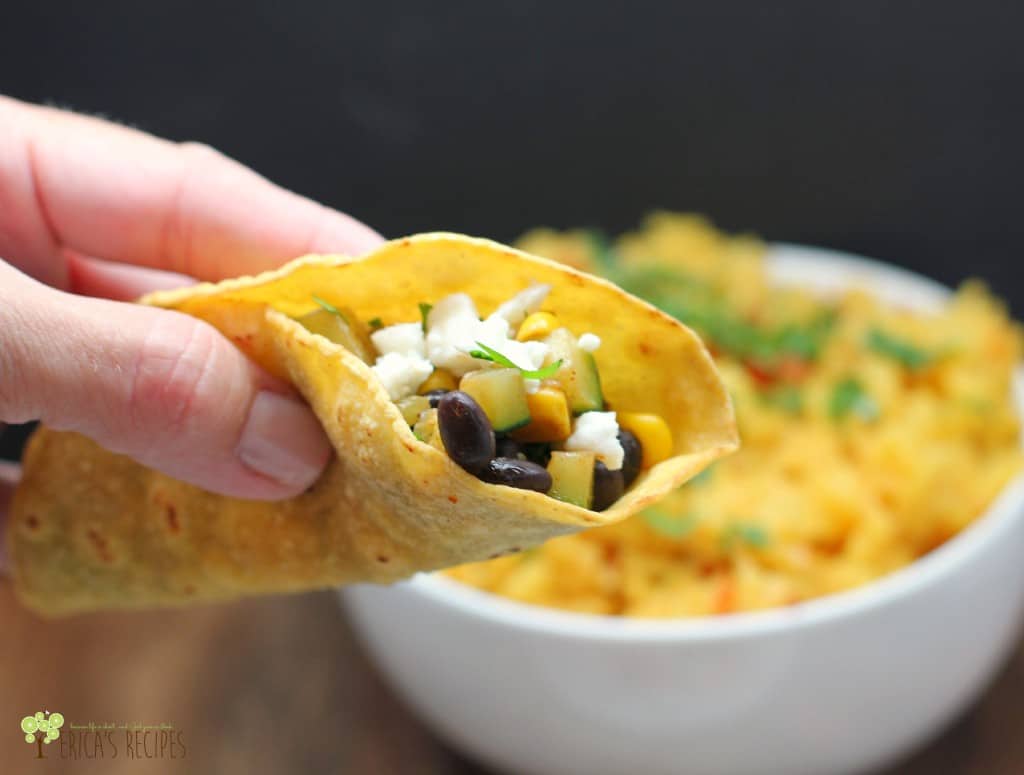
point(517, 473)
point(434, 396)
point(608, 486)
point(538, 452)
point(465, 430)
point(507, 447)
point(633, 456)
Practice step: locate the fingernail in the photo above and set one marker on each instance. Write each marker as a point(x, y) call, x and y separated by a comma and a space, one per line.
point(283, 441)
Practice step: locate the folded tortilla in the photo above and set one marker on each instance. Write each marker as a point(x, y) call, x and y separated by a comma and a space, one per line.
point(90, 529)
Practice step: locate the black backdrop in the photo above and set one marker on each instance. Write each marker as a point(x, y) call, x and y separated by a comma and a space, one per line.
point(895, 129)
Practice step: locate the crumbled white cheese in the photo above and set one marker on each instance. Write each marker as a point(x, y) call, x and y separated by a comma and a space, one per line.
point(597, 432)
point(454, 328)
point(589, 342)
point(451, 325)
point(523, 303)
point(401, 374)
point(455, 305)
point(405, 339)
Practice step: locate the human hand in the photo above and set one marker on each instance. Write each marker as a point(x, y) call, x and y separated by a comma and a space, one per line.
point(90, 209)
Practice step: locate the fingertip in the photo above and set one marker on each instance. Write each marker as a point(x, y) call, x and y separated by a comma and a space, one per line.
point(341, 233)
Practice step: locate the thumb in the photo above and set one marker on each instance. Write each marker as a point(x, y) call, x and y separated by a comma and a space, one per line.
point(161, 387)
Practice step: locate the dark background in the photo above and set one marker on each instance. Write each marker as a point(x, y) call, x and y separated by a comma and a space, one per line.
point(893, 129)
point(890, 129)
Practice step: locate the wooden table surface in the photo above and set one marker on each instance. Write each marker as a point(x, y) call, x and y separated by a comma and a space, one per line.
point(281, 686)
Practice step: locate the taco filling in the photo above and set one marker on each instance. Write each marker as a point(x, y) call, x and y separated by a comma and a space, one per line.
point(514, 398)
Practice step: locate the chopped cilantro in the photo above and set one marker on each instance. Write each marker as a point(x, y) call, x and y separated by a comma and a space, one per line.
point(708, 313)
point(671, 525)
point(909, 355)
point(749, 533)
point(330, 307)
point(375, 323)
point(486, 353)
point(806, 340)
point(786, 398)
point(849, 397)
point(424, 311)
point(704, 476)
point(699, 304)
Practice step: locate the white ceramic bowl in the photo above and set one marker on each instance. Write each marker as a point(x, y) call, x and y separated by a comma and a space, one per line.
point(835, 685)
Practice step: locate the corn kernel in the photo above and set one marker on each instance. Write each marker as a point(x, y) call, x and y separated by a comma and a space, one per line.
point(412, 407)
point(653, 434)
point(439, 379)
point(549, 416)
point(537, 326)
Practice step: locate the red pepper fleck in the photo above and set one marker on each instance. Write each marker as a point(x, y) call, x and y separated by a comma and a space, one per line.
point(794, 369)
point(101, 546)
point(172, 519)
point(762, 374)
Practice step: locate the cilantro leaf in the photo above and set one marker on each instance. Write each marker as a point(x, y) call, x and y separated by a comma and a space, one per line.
point(375, 323)
point(786, 398)
point(486, 353)
point(703, 477)
point(424, 311)
point(329, 307)
point(849, 397)
point(750, 533)
point(671, 525)
point(909, 355)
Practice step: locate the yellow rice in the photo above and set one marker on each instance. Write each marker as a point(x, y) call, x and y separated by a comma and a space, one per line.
point(831, 489)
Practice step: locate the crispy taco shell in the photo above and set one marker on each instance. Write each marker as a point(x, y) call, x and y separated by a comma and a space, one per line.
point(90, 529)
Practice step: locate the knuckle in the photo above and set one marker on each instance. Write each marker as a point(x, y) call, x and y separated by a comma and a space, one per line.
point(181, 233)
point(170, 385)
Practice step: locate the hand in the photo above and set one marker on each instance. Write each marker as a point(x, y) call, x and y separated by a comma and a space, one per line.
point(91, 209)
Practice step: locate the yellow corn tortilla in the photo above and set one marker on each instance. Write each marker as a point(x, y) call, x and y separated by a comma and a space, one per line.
point(91, 529)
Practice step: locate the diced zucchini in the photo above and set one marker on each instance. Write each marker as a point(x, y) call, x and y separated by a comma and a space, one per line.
point(342, 328)
point(549, 416)
point(412, 407)
point(501, 394)
point(578, 374)
point(572, 477)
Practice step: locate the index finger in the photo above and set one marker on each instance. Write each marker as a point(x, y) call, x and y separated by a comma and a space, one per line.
point(71, 181)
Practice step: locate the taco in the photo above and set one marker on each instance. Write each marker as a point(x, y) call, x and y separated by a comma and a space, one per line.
point(479, 400)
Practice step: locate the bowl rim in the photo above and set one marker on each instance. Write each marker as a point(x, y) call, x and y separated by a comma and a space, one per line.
point(792, 261)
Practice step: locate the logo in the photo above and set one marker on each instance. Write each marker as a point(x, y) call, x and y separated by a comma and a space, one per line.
point(103, 740)
point(42, 729)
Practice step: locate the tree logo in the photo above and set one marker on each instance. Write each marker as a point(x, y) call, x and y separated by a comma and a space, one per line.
point(42, 728)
